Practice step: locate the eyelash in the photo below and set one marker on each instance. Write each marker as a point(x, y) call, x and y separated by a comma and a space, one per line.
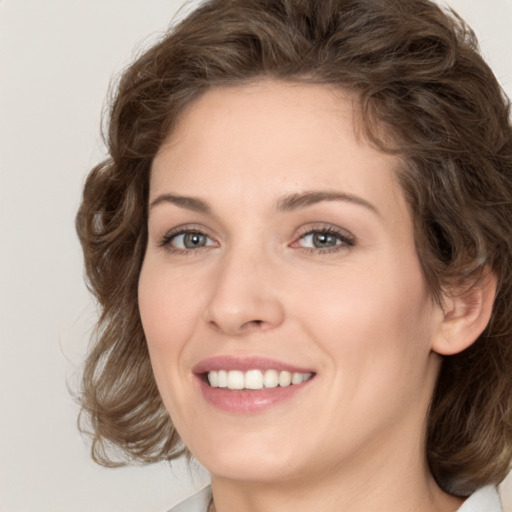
point(167, 239)
point(346, 240)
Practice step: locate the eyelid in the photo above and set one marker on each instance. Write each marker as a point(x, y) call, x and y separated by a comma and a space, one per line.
point(165, 240)
point(346, 237)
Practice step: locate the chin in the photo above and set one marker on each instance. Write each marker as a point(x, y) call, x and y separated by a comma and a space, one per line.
point(245, 468)
point(248, 458)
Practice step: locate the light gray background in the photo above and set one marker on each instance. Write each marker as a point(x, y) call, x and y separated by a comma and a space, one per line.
point(56, 60)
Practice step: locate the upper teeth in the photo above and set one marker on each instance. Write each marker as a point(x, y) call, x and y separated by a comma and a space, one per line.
point(254, 379)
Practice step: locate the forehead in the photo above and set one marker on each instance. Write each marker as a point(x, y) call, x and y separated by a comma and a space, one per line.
point(291, 112)
point(271, 138)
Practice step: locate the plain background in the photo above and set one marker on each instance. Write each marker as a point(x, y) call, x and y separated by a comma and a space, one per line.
point(57, 58)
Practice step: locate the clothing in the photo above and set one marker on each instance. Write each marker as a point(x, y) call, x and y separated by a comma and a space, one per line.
point(198, 502)
point(485, 499)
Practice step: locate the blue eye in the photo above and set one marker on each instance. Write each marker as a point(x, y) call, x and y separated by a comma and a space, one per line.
point(187, 240)
point(320, 240)
point(325, 240)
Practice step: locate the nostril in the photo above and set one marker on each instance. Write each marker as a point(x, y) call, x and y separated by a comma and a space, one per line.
point(253, 323)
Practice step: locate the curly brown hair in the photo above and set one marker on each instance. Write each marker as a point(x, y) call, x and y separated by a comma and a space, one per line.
point(417, 72)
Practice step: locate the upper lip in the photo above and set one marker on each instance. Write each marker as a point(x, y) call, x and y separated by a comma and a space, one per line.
point(245, 363)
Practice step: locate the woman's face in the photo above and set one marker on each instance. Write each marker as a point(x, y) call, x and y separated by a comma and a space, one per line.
point(281, 248)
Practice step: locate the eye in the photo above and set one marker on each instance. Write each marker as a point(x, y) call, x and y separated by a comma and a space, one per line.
point(186, 240)
point(320, 240)
point(324, 240)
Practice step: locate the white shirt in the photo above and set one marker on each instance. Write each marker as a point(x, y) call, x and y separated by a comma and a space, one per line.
point(485, 499)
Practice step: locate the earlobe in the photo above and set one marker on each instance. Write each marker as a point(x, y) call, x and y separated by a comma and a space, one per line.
point(465, 316)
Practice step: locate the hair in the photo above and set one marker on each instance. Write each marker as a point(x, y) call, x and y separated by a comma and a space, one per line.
point(418, 74)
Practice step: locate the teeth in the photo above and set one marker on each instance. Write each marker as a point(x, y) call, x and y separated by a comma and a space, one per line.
point(271, 379)
point(296, 378)
point(236, 379)
point(285, 379)
point(223, 379)
point(255, 379)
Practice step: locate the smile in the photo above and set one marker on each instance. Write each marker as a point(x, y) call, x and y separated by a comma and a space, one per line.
point(255, 379)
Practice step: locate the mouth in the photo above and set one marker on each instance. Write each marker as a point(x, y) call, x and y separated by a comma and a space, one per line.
point(254, 379)
point(249, 385)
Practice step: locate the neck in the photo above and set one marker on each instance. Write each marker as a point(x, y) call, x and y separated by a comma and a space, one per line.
point(373, 487)
point(305, 499)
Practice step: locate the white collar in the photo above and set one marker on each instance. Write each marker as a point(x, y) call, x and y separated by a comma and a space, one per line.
point(485, 499)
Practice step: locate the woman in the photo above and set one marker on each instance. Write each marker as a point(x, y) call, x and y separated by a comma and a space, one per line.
point(302, 247)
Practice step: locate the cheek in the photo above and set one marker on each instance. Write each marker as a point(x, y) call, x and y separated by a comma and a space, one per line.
point(165, 306)
point(379, 319)
point(168, 313)
point(377, 342)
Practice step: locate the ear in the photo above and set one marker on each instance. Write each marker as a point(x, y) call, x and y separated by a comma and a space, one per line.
point(465, 316)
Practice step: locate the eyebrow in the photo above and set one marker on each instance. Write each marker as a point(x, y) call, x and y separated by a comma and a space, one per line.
point(189, 203)
point(284, 204)
point(305, 199)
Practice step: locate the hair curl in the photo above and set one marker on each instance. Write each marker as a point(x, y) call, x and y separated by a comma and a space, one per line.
point(418, 73)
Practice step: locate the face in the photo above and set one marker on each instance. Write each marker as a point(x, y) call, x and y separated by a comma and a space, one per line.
point(287, 319)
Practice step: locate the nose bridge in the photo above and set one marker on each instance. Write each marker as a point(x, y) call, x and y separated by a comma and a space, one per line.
point(244, 296)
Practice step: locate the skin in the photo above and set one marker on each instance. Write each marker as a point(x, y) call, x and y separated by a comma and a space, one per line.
point(358, 313)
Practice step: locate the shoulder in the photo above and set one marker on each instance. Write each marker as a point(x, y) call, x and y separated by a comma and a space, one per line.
point(198, 502)
point(485, 499)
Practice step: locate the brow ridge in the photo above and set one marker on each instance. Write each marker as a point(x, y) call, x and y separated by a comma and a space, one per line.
point(287, 203)
point(309, 198)
point(189, 203)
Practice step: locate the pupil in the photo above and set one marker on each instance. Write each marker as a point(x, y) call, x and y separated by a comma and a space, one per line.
point(324, 240)
point(193, 240)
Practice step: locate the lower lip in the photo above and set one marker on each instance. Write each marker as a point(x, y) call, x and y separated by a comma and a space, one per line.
point(248, 401)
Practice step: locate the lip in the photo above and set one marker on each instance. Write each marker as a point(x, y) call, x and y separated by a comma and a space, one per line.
point(245, 364)
point(246, 402)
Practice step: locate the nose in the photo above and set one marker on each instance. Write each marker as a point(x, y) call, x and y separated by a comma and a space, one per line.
point(245, 296)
